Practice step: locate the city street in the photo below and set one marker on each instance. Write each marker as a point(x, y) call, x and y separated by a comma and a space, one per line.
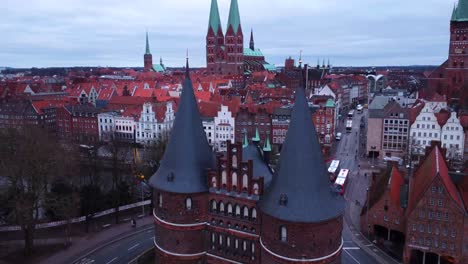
point(122, 251)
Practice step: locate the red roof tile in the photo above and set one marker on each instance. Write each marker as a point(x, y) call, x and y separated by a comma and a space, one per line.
point(433, 166)
point(396, 181)
point(442, 117)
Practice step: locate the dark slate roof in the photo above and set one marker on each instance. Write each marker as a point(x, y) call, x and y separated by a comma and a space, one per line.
point(302, 175)
point(260, 168)
point(188, 155)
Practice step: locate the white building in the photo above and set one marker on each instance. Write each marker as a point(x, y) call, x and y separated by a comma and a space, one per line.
point(124, 128)
point(424, 130)
point(224, 125)
point(156, 120)
point(106, 125)
point(209, 127)
point(453, 137)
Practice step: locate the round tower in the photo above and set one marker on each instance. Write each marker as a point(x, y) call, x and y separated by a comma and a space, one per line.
point(180, 187)
point(304, 216)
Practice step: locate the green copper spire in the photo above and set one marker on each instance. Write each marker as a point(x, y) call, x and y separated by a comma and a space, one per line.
point(246, 141)
point(234, 17)
point(147, 45)
point(267, 146)
point(215, 21)
point(454, 13)
point(257, 136)
point(461, 12)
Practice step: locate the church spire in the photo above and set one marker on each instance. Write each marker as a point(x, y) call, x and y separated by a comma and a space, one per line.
point(234, 17)
point(460, 14)
point(302, 175)
point(188, 154)
point(147, 45)
point(252, 43)
point(214, 22)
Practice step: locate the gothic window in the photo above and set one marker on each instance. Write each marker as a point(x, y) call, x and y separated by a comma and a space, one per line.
point(238, 210)
point(229, 208)
point(236, 243)
point(246, 212)
point(224, 179)
point(255, 188)
point(283, 234)
point(160, 200)
point(188, 203)
point(214, 205)
point(234, 161)
point(228, 241)
point(234, 181)
point(213, 182)
point(254, 213)
point(220, 240)
point(244, 182)
point(221, 207)
point(244, 245)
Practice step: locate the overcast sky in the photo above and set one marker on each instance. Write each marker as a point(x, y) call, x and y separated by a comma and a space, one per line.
point(46, 33)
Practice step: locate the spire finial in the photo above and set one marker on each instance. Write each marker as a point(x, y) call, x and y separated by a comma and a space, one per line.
point(187, 70)
point(256, 139)
point(252, 43)
point(147, 44)
point(246, 141)
point(267, 145)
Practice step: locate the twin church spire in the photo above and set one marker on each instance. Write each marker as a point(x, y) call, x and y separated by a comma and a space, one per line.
point(460, 11)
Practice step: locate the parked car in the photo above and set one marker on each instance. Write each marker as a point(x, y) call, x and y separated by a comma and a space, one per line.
point(338, 136)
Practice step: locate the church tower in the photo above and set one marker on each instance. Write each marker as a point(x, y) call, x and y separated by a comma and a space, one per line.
point(180, 186)
point(148, 58)
point(234, 42)
point(457, 68)
point(214, 41)
point(251, 43)
point(300, 228)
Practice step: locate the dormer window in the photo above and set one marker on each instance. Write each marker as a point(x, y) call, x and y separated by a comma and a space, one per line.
point(283, 199)
point(170, 177)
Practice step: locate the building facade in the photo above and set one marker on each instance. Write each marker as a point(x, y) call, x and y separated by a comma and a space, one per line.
point(424, 130)
point(155, 122)
point(211, 210)
point(225, 127)
point(453, 137)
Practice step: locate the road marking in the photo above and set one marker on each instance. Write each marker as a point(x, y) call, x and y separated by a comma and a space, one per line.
point(112, 260)
point(369, 245)
point(149, 231)
point(134, 246)
point(352, 257)
point(352, 248)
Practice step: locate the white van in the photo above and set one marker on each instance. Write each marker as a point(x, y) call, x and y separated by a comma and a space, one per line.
point(338, 136)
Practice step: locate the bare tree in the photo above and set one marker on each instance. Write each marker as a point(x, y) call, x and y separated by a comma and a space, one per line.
point(29, 160)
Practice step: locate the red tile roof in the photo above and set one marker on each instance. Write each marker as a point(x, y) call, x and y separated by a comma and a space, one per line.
point(463, 187)
point(209, 109)
point(40, 105)
point(396, 181)
point(433, 166)
point(464, 121)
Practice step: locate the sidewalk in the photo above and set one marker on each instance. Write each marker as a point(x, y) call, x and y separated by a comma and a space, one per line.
point(83, 245)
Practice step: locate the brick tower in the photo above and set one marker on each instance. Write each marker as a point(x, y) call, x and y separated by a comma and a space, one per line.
point(148, 58)
point(457, 68)
point(180, 187)
point(234, 42)
point(304, 216)
point(215, 58)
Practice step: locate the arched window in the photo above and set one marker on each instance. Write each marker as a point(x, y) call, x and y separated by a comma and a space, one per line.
point(283, 234)
point(213, 238)
point(214, 183)
point(160, 200)
point(234, 161)
point(253, 248)
point(234, 181)
point(214, 205)
point(229, 208)
point(228, 241)
point(221, 207)
point(188, 203)
point(220, 240)
point(246, 212)
point(254, 213)
point(236, 243)
point(244, 245)
point(238, 210)
point(255, 188)
point(245, 182)
point(224, 179)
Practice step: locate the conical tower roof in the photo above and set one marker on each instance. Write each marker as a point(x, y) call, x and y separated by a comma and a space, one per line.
point(234, 17)
point(188, 154)
point(215, 21)
point(148, 52)
point(301, 192)
point(461, 12)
